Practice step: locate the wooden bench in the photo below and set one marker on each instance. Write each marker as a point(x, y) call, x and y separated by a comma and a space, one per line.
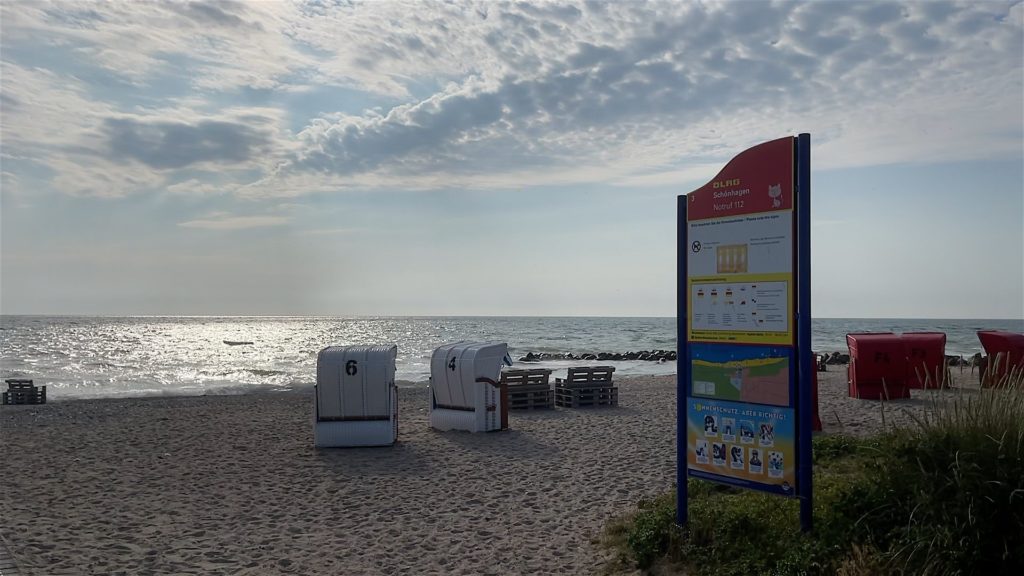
point(21, 391)
point(528, 389)
point(586, 386)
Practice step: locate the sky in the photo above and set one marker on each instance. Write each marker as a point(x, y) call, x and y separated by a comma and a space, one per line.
point(495, 158)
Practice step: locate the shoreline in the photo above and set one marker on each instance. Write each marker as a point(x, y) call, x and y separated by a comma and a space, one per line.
point(63, 393)
point(232, 484)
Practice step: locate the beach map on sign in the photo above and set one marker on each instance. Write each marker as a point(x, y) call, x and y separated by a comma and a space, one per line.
point(755, 374)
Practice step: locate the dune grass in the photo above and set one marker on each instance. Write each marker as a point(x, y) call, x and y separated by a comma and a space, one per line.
point(944, 496)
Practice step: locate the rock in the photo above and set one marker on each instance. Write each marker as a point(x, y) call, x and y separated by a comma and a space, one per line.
point(837, 358)
point(644, 355)
point(530, 357)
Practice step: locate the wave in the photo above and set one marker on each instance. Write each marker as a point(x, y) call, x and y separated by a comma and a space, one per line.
point(253, 371)
point(260, 372)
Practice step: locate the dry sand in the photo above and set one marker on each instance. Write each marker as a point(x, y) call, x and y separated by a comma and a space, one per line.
point(233, 485)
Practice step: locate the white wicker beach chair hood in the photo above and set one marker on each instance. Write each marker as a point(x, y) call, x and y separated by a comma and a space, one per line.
point(356, 402)
point(465, 389)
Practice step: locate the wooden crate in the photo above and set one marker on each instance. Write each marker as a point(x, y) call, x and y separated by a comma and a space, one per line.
point(23, 392)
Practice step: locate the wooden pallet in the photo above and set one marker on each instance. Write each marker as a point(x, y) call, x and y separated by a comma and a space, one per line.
point(526, 377)
point(523, 398)
point(528, 389)
point(582, 397)
point(587, 375)
point(585, 386)
point(23, 392)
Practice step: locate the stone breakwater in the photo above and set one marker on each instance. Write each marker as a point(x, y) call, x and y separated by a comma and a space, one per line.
point(840, 358)
point(648, 355)
point(823, 358)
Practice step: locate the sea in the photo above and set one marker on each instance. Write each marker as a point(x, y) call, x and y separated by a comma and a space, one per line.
point(79, 357)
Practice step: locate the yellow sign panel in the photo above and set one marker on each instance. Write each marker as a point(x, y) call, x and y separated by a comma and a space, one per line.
point(748, 308)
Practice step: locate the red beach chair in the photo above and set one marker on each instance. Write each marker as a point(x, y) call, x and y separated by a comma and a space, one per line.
point(878, 366)
point(1005, 352)
point(926, 357)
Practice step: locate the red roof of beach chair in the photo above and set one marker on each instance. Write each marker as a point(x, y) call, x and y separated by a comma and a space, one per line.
point(1009, 346)
point(878, 366)
point(926, 356)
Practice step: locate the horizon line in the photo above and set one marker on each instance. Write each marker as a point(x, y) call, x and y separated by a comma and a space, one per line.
point(84, 315)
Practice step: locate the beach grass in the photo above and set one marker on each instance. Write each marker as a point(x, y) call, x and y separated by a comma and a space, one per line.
point(943, 495)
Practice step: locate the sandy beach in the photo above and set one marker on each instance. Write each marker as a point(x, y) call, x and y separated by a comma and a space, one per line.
point(233, 485)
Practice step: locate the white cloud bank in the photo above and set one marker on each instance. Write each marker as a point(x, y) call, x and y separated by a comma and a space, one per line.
point(494, 94)
point(227, 222)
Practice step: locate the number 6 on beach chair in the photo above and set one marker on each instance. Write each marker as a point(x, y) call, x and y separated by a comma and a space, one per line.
point(465, 391)
point(355, 401)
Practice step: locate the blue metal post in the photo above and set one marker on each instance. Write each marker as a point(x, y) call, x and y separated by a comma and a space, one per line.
point(682, 364)
point(804, 355)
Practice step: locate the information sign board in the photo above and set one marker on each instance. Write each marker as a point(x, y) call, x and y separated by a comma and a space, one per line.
point(744, 246)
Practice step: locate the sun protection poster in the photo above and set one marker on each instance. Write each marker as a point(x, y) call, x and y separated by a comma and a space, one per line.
point(744, 445)
point(740, 252)
point(754, 374)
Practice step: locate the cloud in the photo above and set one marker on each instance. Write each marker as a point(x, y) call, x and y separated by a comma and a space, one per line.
point(496, 94)
point(163, 145)
point(99, 150)
point(227, 44)
point(223, 13)
point(198, 187)
point(87, 175)
point(755, 70)
point(227, 222)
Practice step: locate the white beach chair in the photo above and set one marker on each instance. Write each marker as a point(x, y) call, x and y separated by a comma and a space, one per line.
point(355, 403)
point(465, 391)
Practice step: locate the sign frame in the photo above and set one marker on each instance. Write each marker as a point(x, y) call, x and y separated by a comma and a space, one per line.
point(797, 335)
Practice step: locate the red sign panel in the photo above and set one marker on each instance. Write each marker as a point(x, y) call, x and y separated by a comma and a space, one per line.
point(758, 180)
